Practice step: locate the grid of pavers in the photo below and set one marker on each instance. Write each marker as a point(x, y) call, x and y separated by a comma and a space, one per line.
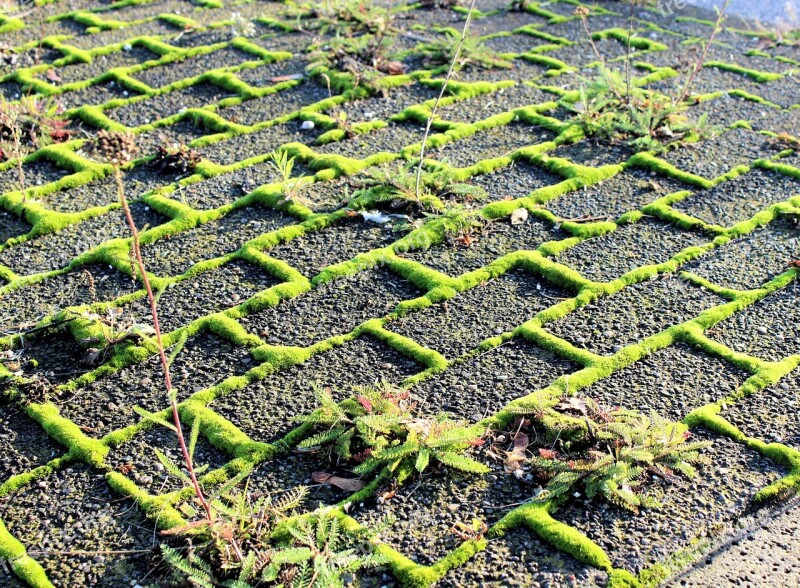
point(670, 274)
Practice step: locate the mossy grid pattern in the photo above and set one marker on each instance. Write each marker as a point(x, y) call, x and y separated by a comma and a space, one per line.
point(196, 103)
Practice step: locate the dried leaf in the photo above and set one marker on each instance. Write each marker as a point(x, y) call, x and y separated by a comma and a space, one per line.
point(573, 404)
point(52, 76)
point(287, 78)
point(519, 216)
point(517, 455)
point(346, 484)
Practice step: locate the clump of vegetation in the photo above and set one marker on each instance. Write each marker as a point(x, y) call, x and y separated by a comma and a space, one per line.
point(379, 428)
point(349, 16)
point(463, 52)
point(783, 141)
point(28, 125)
point(395, 185)
point(610, 106)
point(175, 160)
point(619, 447)
point(292, 187)
point(243, 546)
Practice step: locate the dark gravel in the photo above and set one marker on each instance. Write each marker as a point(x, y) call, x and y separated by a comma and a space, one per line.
point(740, 198)
point(671, 382)
point(633, 245)
point(312, 252)
point(752, 260)
point(75, 510)
point(491, 143)
point(73, 288)
point(264, 141)
point(769, 329)
point(212, 291)
point(495, 240)
point(515, 181)
point(636, 312)
point(714, 157)
point(107, 403)
point(153, 109)
point(264, 410)
point(482, 385)
point(175, 254)
point(626, 191)
point(457, 325)
point(772, 414)
point(11, 226)
point(24, 443)
point(56, 250)
point(334, 308)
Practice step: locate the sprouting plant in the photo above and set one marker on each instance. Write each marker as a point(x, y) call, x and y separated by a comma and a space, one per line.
point(350, 16)
point(177, 159)
point(239, 549)
point(395, 184)
point(241, 26)
point(620, 447)
point(118, 149)
point(365, 57)
point(114, 329)
point(472, 53)
point(283, 165)
point(379, 428)
point(28, 125)
point(612, 107)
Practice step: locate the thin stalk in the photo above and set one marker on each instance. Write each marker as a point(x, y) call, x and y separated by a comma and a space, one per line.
point(628, 58)
point(439, 99)
point(603, 66)
point(702, 59)
point(160, 344)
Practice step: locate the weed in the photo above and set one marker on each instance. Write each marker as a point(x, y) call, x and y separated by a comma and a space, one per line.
point(365, 57)
point(28, 125)
point(472, 53)
point(395, 185)
point(610, 107)
point(283, 166)
point(118, 149)
point(349, 16)
point(619, 448)
point(378, 428)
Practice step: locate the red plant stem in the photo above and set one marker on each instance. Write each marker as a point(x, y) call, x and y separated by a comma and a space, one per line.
point(160, 344)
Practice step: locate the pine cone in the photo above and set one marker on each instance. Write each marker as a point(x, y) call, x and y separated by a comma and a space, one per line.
point(114, 147)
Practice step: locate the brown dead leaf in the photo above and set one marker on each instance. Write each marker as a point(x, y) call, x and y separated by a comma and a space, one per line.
point(52, 76)
point(518, 454)
point(346, 484)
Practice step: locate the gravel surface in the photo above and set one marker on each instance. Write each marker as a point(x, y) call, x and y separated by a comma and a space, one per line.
point(621, 193)
point(740, 198)
point(767, 330)
point(56, 250)
point(265, 410)
point(107, 403)
point(669, 381)
point(459, 324)
point(492, 242)
point(483, 384)
point(636, 312)
point(333, 308)
point(751, 260)
point(647, 242)
point(173, 255)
